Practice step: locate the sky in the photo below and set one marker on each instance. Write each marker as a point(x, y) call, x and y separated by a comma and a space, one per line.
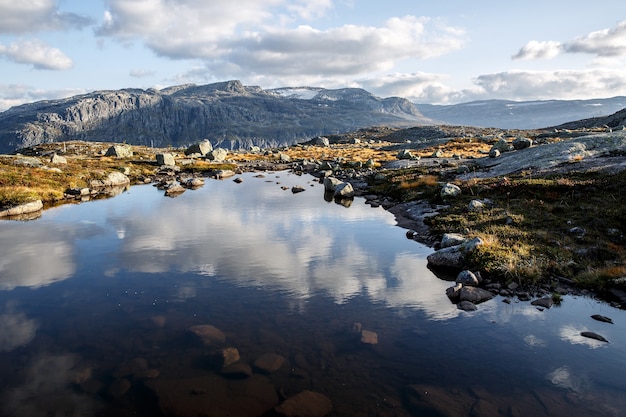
point(437, 52)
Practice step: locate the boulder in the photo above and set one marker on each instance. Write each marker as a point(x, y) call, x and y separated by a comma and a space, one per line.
point(451, 239)
point(120, 151)
point(28, 162)
point(322, 141)
point(596, 336)
point(545, 302)
point(218, 155)
point(476, 206)
point(474, 295)
point(344, 190)
point(467, 277)
point(494, 153)
point(297, 189)
point(165, 159)
point(404, 154)
point(226, 356)
point(330, 183)
point(502, 146)
point(466, 306)
point(369, 337)
point(283, 157)
point(113, 179)
point(522, 143)
point(174, 190)
point(305, 404)
point(453, 293)
point(58, 159)
point(450, 191)
point(201, 148)
point(26, 208)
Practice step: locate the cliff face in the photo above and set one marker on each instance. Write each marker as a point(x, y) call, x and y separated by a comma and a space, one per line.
point(228, 114)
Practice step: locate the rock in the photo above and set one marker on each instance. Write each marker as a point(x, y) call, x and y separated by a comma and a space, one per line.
point(269, 362)
point(453, 293)
point(467, 278)
point(28, 162)
point(453, 256)
point(322, 141)
point(369, 337)
point(218, 155)
point(451, 239)
point(344, 190)
point(194, 183)
point(494, 153)
point(238, 180)
point(297, 189)
point(466, 306)
point(305, 404)
point(283, 157)
point(226, 356)
point(437, 154)
point(237, 370)
point(476, 206)
point(214, 396)
point(601, 318)
point(113, 179)
point(165, 159)
point(595, 336)
point(474, 295)
point(131, 367)
point(208, 335)
point(404, 154)
point(545, 302)
point(58, 160)
point(174, 189)
point(26, 208)
point(201, 148)
point(450, 191)
point(522, 143)
point(120, 151)
point(224, 173)
point(330, 183)
point(502, 146)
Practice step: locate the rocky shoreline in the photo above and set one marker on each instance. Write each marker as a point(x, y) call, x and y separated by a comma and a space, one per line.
point(340, 165)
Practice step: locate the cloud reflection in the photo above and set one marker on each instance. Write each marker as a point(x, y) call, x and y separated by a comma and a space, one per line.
point(572, 334)
point(17, 330)
point(256, 234)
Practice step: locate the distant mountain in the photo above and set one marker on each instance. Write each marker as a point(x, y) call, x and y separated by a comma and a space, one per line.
point(229, 114)
point(506, 114)
point(614, 121)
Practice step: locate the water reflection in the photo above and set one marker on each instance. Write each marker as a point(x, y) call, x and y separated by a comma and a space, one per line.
point(17, 330)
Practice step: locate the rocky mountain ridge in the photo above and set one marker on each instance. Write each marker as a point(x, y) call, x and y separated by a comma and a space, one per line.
point(229, 114)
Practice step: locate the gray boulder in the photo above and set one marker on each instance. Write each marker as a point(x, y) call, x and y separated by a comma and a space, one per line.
point(330, 183)
point(32, 207)
point(344, 190)
point(453, 256)
point(450, 191)
point(404, 154)
point(502, 145)
point(58, 159)
point(165, 159)
point(322, 141)
point(467, 277)
point(218, 155)
point(522, 143)
point(451, 239)
point(474, 295)
point(120, 151)
point(466, 306)
point(201, 148)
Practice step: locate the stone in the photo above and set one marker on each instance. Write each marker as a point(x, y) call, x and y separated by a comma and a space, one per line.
point(344, 190)
point(238, 180)
point(466, 306)
point(437, 154)
point(502, 146)
point(120, 151)
point(450, 191)
point(218, 155)
point(237, 370)
point(369, 337)
point(330, 183)
point(453, 293)
point(466, 277)
point(194, 183)
point(322, 141)
point(404, 154)
point(113, 179)
point(545, 302)
point(305, 404)
point(174, 190)
point(58, 159)
point(119, 387)
point(226, 356)
point(224, 173)
point(201, 148)
point(476, 206)
point(451, 239)
point(475, 295)
point(208, 335)
point(26, 208)
point(28, 162)
point(494, 153)
point(522, 143)
point(269, 362)
point(283, 157)
point(297, 189)
point(165, 159)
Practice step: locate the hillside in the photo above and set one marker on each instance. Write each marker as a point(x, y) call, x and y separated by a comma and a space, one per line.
point(229, 114)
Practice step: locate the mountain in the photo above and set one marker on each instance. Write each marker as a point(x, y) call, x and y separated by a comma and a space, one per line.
point(229, 114)
point(614, 121)
point(507, 114)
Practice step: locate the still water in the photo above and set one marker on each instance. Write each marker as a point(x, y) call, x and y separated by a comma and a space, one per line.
point(96, 301)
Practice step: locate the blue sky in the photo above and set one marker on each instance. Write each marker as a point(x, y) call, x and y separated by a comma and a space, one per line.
point(440, 52)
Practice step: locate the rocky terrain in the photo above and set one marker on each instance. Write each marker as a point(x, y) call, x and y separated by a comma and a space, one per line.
point(231, 115)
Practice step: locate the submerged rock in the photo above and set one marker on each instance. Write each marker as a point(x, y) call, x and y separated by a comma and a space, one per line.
point(592, 335)
point(601, 318)
point(305, 404)
point(208, 335)
point(269, 362)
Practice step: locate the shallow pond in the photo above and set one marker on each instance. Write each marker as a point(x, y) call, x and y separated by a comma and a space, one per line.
point(97, 299)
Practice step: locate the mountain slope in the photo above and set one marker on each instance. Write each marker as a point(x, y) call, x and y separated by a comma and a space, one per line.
point(229, 114)
point(507, 114)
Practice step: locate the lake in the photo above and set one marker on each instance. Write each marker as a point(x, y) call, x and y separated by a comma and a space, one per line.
point(97, 301)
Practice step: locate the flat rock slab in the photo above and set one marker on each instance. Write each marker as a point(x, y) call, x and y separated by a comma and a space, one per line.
point(269, 362)
point(209, 335)
point(214, 396)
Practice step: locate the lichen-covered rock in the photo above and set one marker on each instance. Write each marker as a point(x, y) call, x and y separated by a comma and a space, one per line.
point(31, 207)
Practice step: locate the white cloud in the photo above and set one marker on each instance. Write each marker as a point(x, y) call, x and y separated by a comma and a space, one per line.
point(419, 87)
point(539, 50)
point(564, 84)
point(35, 16)
point(606, 42)
point(16, 94)
point(141, 73)
point(36, 53)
